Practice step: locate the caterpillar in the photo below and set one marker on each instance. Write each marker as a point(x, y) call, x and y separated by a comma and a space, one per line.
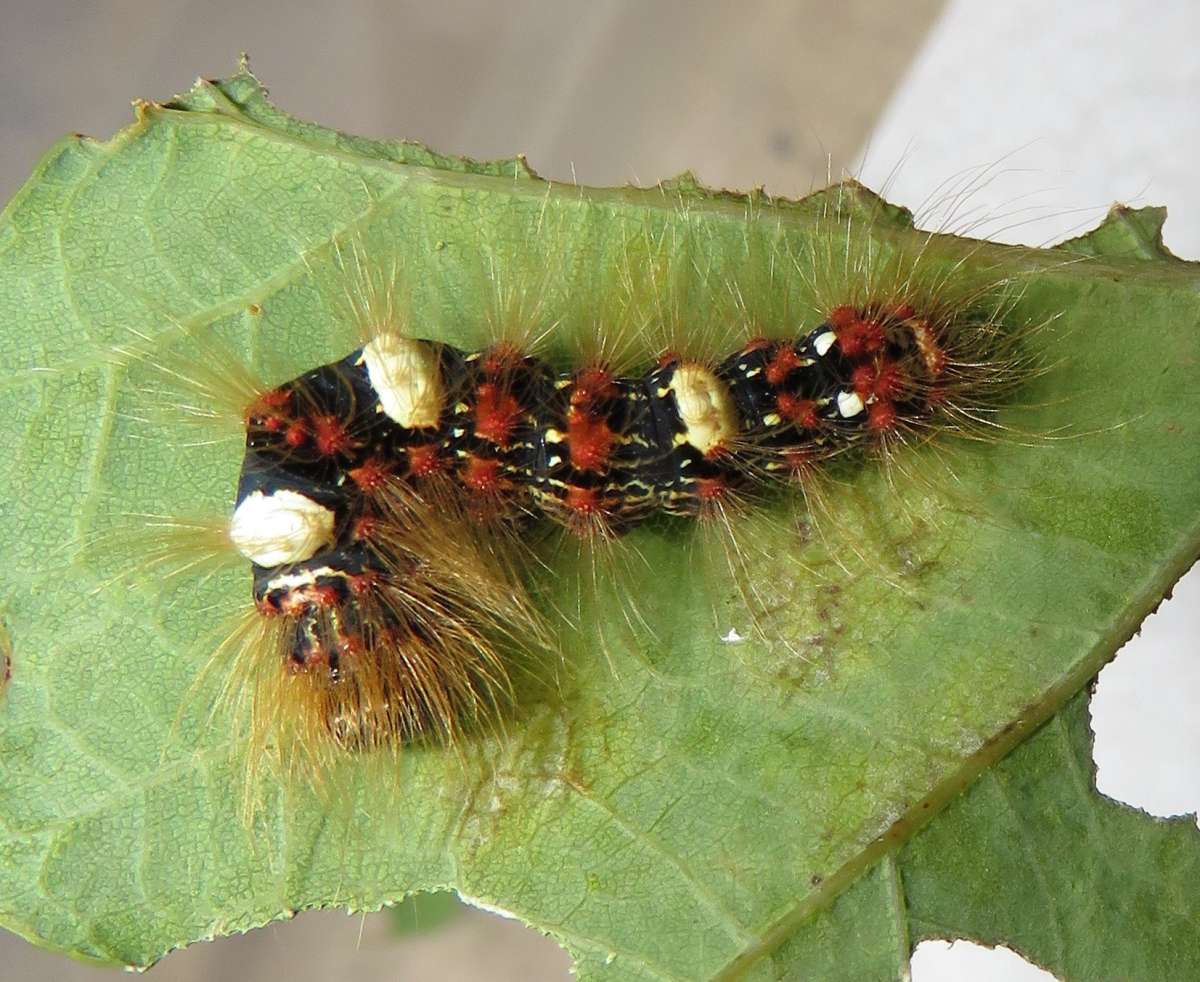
point(387, 499)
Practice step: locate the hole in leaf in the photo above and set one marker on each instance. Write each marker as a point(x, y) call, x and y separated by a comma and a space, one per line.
point(1147, 732)
point(951, 961)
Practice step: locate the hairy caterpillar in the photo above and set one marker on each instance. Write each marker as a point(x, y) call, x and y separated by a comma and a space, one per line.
point(395, 503)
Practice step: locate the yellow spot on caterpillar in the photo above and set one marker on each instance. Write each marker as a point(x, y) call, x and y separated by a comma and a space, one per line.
point(705, 406)
point(407, 378)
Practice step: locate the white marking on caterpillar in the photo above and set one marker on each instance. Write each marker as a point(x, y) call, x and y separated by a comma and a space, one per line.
point(280, 528)
point(302, 578)
point(705, 407)
point(849, 404)
point(823, 342)
point(406, 376)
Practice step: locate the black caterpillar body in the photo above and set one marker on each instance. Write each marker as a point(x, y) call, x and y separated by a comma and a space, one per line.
point(592, 450)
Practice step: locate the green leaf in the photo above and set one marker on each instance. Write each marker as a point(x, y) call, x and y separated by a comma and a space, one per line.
point(1031, 857)
point(692, 807)
point(422, 912)
point(1083, 885)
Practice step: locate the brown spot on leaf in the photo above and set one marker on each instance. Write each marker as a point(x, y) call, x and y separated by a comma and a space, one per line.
point(5, 659)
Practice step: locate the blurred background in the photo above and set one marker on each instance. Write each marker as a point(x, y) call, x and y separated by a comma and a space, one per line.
point(1062, 108)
